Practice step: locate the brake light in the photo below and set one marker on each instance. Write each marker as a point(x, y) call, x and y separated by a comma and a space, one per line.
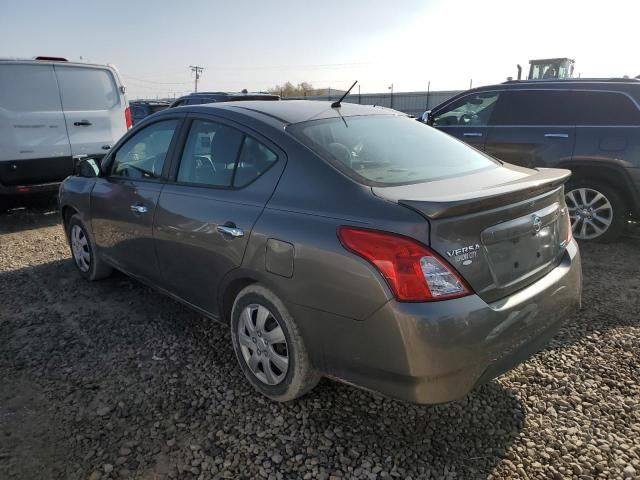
point(127, 117)
point(413, 271)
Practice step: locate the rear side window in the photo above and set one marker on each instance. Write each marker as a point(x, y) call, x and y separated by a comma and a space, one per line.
point(381, 150)
point(84, 88)
point(29, 88)
point(217, 155)
point(605, 108)
point(534, 107)
point(255, 159)
point(210, 154)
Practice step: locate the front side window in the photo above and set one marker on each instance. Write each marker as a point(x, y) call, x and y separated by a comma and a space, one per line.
point(85, 89)
point(142, 157)
point(470, 110)
point(383, 150)
point(210, 154)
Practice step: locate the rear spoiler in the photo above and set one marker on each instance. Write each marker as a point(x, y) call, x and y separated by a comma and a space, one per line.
point(545, 180)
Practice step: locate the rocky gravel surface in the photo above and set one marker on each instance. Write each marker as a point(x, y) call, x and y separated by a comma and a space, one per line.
point(111, 380)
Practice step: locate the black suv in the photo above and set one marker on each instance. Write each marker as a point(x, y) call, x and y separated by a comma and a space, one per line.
point(590, 126)
point(141, 109)
point(213, 97)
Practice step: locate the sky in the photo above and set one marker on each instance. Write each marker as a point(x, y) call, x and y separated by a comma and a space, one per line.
point(258, 44)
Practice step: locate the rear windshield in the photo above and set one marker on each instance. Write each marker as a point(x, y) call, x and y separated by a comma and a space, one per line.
point(381, 150)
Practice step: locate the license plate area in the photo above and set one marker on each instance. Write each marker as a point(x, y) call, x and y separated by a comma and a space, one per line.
point(521, 247)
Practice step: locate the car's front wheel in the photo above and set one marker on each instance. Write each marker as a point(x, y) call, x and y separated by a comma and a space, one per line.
point(83, 251)
point(596, 210)
point(269, 346)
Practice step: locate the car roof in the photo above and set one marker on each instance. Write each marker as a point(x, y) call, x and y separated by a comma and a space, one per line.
point(296, 111)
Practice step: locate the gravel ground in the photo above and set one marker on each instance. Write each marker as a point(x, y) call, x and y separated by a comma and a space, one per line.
point(112, 380)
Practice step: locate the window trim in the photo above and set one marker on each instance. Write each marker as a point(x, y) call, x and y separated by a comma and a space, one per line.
point(108, 164)
point(172, 177)
point(573, 89)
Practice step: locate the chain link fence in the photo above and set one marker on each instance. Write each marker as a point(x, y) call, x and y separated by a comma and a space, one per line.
point(411, 103)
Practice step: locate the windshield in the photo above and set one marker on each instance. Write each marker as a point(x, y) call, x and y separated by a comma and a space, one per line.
point(381, 150)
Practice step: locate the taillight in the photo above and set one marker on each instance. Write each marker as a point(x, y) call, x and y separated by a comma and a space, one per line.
point(127, 117)
point(413, 271)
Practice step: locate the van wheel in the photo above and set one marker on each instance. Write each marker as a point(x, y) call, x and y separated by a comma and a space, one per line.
point(83, 251)
point(597, 211)
point(269, 346)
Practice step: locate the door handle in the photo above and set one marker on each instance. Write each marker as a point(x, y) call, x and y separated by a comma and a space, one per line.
point(106, 147)
point(138, 209)
point(556, 135)
point(472, 134)
point(235, 232)
point(83, 123)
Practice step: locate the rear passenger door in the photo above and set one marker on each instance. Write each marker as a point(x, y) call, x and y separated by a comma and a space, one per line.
point(467, 117)
point(93, 108)
point(222, 181)
point(533, 128)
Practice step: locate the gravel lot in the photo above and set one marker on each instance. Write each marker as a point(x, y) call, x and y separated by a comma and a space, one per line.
point(112, 380)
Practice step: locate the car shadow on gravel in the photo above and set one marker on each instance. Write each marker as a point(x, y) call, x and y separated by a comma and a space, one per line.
point(133, 381)
point(31, 218)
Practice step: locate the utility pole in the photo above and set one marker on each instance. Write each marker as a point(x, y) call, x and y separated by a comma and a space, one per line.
point(198, 70)
point(428, 92)
point(391, 99)
point(359, 97)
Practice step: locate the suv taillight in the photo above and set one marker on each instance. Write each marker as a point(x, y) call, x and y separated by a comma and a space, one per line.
point(413, 271)
point(127, 117)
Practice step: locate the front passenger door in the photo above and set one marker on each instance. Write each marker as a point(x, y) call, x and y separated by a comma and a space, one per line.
point(123, 203)
point(467, 117)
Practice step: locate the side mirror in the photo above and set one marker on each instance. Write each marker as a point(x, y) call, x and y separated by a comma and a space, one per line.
point(427, 118)
point(86, 166)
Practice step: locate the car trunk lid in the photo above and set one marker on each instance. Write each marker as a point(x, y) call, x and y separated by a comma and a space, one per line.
point(500, 228)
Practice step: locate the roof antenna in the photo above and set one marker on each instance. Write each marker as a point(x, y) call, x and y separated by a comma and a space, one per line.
point(338, 103)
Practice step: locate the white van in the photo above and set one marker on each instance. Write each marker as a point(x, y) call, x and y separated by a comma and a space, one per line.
point(52, 110)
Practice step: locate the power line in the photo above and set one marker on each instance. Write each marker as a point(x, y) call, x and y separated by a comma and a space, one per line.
point(197, 69)
point(153, 81)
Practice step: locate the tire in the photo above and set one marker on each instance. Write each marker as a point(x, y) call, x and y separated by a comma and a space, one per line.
point(83, 251)
point(612, 209)
point(300, 376)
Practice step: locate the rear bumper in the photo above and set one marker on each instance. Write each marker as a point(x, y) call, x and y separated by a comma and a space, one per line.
point(437, 352)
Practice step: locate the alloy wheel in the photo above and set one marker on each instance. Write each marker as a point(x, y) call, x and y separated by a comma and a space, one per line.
point(591, 213)
point(263, 344)
point(80, 248)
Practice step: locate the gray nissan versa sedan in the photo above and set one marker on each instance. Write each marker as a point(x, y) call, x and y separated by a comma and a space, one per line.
point(344, 241)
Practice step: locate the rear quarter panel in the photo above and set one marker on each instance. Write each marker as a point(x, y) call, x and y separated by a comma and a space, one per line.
point(311, 201)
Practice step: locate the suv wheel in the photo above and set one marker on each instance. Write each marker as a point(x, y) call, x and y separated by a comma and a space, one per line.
point(269, 347)
point(597, 211)
point(83, 251)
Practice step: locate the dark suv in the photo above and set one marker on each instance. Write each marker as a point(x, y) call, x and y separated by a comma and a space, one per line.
point(590, 126)
point(200, 98)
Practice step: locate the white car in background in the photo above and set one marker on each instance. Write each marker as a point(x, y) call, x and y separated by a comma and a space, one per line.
point(52, 110)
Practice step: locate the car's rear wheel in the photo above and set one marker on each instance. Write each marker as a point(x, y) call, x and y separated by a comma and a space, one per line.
point(83, 251)
point(269, 346)
point(597, 211)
